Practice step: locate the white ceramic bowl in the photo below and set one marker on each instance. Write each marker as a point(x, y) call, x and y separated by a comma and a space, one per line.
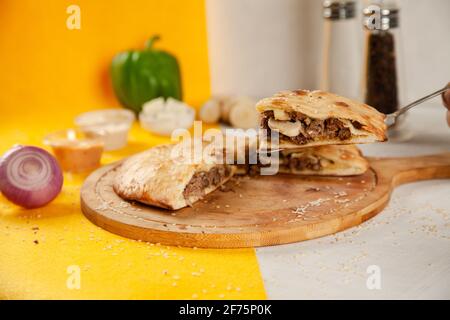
point(112, 124)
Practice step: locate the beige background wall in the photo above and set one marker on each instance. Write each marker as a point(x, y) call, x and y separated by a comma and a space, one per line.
point(267, 32)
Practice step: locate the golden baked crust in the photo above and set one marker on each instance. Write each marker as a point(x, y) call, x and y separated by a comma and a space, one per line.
point(324, 105)
point(160, 175)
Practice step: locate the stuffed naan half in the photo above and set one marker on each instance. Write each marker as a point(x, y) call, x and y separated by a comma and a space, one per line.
point(310, 118)
point(164, 177)
point(330, 160)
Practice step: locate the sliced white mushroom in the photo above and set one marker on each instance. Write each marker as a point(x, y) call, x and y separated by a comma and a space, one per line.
point(281, 115)
point(290, 129)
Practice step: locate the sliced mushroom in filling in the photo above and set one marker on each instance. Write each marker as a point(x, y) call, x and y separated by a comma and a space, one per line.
point(301, 129)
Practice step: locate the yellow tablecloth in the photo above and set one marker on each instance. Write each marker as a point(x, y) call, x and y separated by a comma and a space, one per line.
point(43, 251)
point(51, 73)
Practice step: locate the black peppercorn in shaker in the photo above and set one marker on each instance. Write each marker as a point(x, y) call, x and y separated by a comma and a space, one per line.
point(382, 90)
point(382, 83)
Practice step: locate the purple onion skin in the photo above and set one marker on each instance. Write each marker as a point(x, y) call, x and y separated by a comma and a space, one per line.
point(33, 197)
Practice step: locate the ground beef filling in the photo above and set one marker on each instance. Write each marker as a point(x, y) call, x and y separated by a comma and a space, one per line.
point(330, 128)
point(253, 169)
point(204, 179)
point(293, 163)
point(305, 163)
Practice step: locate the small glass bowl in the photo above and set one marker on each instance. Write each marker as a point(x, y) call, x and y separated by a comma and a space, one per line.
point(76, 151)
point(112, 124)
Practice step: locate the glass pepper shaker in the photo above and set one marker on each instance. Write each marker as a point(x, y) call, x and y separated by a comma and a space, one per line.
point(383, 81)
point(341, 59)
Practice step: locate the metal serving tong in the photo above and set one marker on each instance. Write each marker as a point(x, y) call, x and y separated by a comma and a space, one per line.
point(392, 117)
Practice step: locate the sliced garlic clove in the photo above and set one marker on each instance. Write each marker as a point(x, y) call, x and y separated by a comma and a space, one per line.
point(226, 104)
point(210, 111)
point(243, 114)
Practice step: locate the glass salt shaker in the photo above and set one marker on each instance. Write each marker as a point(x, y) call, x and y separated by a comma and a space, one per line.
point(383, 78)
point(342, 48)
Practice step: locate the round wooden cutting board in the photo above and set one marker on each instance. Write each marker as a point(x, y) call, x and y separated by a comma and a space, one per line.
point(259, 211)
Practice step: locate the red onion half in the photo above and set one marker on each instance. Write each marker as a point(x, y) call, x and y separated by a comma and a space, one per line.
point(30, 176)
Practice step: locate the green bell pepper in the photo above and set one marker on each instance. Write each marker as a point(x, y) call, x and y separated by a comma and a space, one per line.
point(140, 76)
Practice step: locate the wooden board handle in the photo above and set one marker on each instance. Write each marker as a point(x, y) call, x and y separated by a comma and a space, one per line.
point(404, 170)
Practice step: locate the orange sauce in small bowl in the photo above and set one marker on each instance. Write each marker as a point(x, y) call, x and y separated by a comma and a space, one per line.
point(76, 151)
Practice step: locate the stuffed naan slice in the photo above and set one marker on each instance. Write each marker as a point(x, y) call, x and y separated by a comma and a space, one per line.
point(330, 160)
point(310, 118)
point(165, 177)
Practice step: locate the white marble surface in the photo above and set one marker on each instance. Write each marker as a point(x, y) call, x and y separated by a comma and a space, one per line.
point(409, 242)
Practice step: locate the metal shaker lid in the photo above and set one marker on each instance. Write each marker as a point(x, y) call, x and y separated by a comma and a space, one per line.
point(377, 17)
point(338, 10)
